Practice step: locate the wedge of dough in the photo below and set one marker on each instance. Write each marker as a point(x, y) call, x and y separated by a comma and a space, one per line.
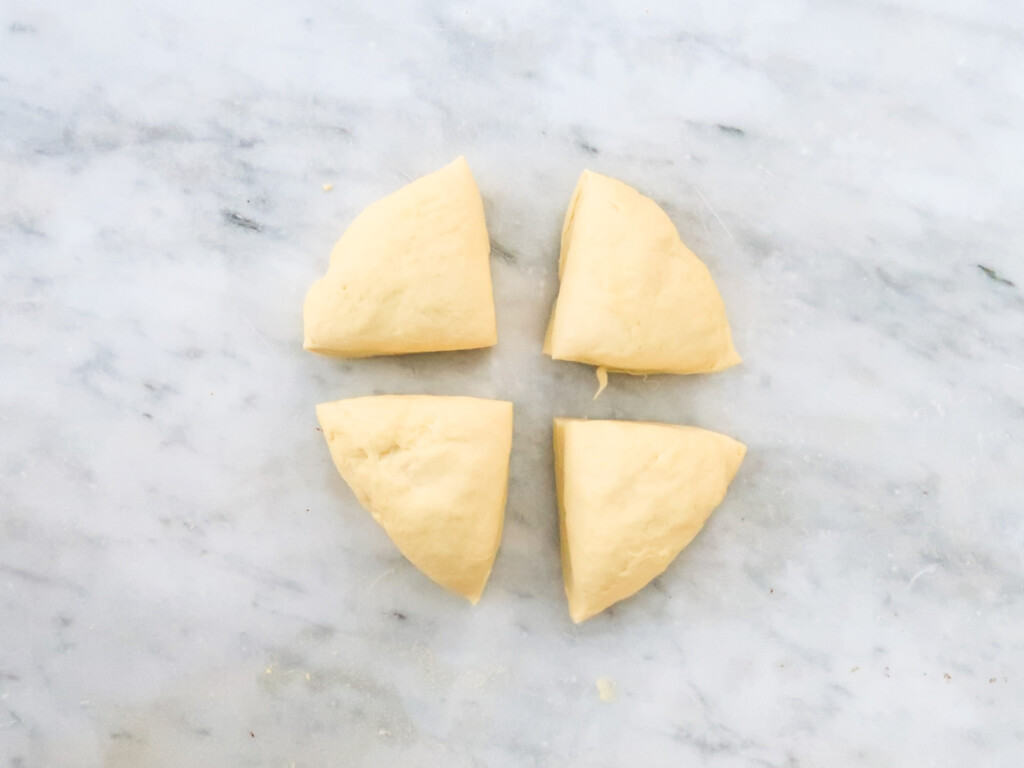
point(633, 298)
point(411, 274)
point(631, 496)
point(433, 471)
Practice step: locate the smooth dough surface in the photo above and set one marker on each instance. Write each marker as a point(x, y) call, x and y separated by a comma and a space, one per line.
point(633, 298)
point(411, 274)
point(631, 496)
point(433, 471)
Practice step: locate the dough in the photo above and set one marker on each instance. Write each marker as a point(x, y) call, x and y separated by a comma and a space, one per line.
point(411, 274)
point(433, 471)
point(633, 297)
point(631, 496)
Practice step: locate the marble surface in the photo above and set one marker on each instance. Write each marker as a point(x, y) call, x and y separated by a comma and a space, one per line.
point(185, 581)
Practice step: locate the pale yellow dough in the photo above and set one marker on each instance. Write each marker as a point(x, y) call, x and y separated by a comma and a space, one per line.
point(411, 274)
point(633, 298)
point(631, 496)
point(433, 471)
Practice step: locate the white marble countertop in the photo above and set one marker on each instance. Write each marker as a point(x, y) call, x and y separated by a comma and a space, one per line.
point(184, 579)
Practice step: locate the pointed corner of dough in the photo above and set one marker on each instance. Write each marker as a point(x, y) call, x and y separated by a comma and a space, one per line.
point(311, 344)
point(460, 165)
point(433, 472)
point(580, 609)
point(578, 614)
point(734, 457)
point(614, 542)
point(546, 346)
point(309, 315)
point(730, 358)
point(323, 415)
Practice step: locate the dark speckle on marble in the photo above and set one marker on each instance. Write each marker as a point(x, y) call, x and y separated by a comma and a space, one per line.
point(340, 130)
point(27, 227)
point(731, 130)
point(159, 389)
point(993, 275)
point(238, 220)
point(502, 252)
point(892, 282)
